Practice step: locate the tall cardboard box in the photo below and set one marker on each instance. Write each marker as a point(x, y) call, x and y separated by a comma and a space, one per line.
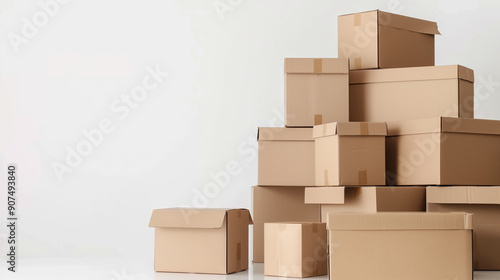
point(443, 151)
point(394, 246)
point(411, 93)
point(378, 39)
point(366, 199)
point(286, 156)
point(350, 154)
point(484, 203)
point(278, 204)
point(201, 240)
point(295, 249)
point(316, 91)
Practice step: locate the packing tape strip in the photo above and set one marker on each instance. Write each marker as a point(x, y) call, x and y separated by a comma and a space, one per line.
point(362, 177)
point(318, 66)
point(315, 228)
point(357, 19)
point(357, 63)
point(318, 119)
point(324, 130)
point(239, 214)
point(282, 227)
point(325, 176)
point(238, 256)
point(363, 128)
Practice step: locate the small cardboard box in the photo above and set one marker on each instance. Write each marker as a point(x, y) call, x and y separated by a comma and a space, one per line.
point(484, 203)
point(394, 246)
point(295, 249)
point(316, 91)
point(411, 93)
point(278, 204)
point(350, 154)
point(286, 156)
point(443, 151)
point(377, 39)
point(366, 199)
point(201, 240)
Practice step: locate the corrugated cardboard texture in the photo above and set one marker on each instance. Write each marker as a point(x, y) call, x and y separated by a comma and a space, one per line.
point(286, 157)
point(278, 204)
point(295, 249)
point(404, 94)
point(316, 91)
point(484, 203)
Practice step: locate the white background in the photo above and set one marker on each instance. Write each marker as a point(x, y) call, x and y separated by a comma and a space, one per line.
point(65, 76)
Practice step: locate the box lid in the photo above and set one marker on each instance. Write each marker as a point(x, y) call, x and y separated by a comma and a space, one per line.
point(191, 217)
point(324, 195)
point(350, 129)
point(399, 221)
point(463, 195)
point(444, 124)
point(411, 74)
point(407, 23)
point(284, 134)
point(316, 65)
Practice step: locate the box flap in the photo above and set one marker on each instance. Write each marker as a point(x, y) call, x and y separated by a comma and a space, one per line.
point(350, 129)
point(463, 195)
point(324, 195)
point(284, 134)
point(400, 221)
point(411, 74)
point(444, 124)
point(316, 65)
point(243, 212)
point(407, 23)
point(188, 218)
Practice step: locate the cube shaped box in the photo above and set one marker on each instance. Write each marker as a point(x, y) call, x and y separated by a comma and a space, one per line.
point(350, 154)
point(366, 199)
point(286, 156)
point(201, 240)
point(394, 246)
point(484, 203)
point(411, 93)
point(316, 91)
point(278, 204)
point(377, 39)
point(295, 249)
point(443, 151)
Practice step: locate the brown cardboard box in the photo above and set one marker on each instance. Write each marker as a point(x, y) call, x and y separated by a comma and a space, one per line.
point(316, 91)
point(350, 154)
point(394, 246)
point(201, 240)
point(377, 39)
point(411, 93)
point(278, 204)
point(295, 249)
point(286, 156)
point(443, 151)
point(484, 203)
point(366, 199)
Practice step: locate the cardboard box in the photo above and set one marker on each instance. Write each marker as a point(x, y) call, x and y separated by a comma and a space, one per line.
point(443, 151)
point(394, 246)
point(350, 154)
point(295, 249)
point(377, 39)
point(286, 156)
point(484, 203)
point(366, 199)
point(316, 91)
point(411, 93)
point(278, 204)
point(201, 240)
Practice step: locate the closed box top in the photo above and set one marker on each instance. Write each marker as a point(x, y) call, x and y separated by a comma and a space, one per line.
point(444, 124)
point(192, 218)
point(350, 129)
point(464, 195)
point(316, 65)
point(284, 134)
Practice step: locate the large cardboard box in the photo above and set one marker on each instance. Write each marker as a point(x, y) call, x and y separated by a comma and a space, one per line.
point(350, 154)
point(295, 249)
point(394, 246)
point(484, 203)
point(278, 204)
point(366, 199)
point(316, 91)
point(201, 240)
point(411, 93)
point(286, 156)
point(377, 39)
point(443, 151)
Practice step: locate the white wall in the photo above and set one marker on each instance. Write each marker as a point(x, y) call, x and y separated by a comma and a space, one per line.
point(225, 80)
